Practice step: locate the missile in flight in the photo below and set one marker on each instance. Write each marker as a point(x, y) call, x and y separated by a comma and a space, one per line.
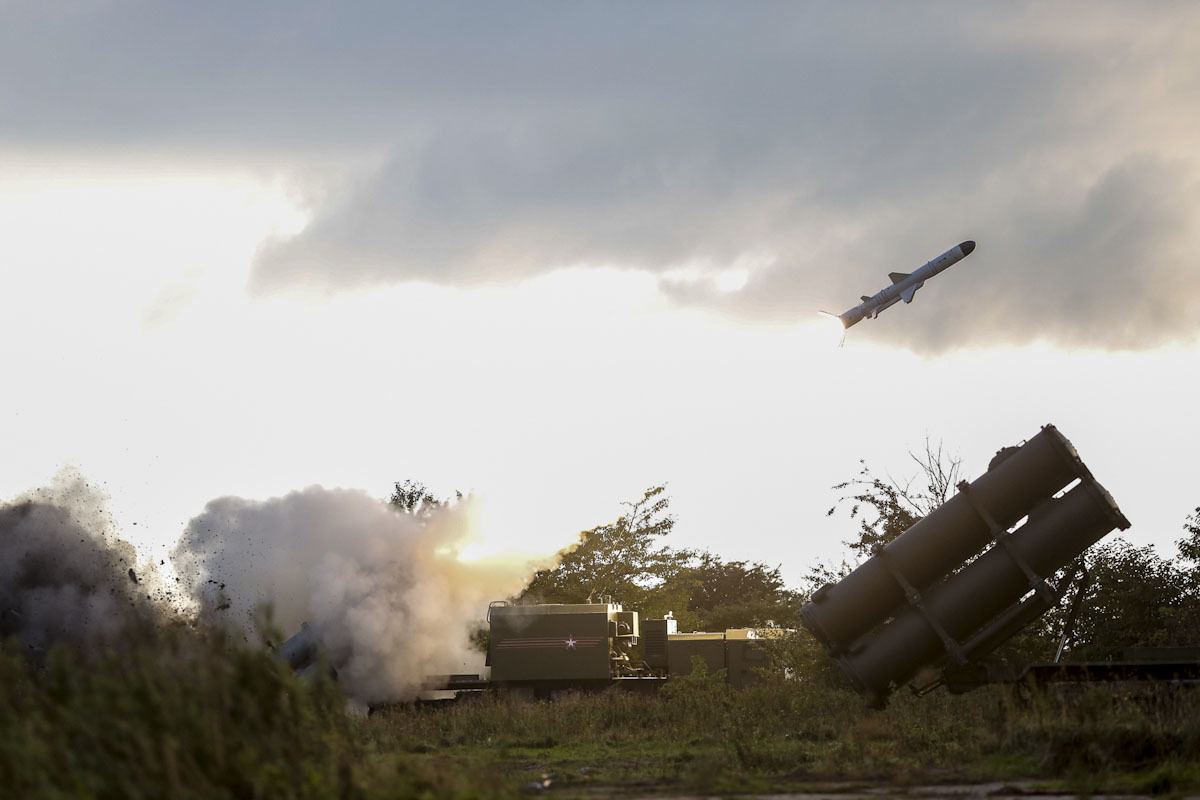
point(904, 285)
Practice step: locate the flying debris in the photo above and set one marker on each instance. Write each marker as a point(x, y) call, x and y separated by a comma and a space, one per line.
point(904, 285)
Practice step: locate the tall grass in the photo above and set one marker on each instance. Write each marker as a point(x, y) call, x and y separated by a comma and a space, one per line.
point(180, 715)
point(177, 714)
point(711, 738)
point(185, 717)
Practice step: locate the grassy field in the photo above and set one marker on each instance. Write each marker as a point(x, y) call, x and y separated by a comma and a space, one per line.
point(191, 717)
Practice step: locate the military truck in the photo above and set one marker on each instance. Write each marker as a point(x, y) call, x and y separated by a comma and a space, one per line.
point(547, 647)
point(587, 646)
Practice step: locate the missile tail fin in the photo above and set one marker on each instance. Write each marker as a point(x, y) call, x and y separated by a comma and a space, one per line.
point(864, 298)
point(898, 276)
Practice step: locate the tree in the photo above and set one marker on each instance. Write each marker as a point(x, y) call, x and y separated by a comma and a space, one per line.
point(623, 559)
point(1135, 598)
point(1189, 546)
point(413, 497)
point(1189, 551)
point(898, 505)
point(738, 594)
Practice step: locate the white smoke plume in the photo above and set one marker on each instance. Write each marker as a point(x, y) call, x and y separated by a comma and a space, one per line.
point(389, 594)
point(65, 576)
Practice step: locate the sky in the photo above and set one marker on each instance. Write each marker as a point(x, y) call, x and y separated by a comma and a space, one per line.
point(555, 254)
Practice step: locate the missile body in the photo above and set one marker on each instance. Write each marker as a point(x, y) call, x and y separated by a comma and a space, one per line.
point(904, 285)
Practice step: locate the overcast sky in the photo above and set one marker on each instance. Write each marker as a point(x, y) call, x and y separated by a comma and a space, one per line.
point(556, 253)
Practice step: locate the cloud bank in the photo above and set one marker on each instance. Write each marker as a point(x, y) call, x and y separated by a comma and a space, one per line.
point(810, 148)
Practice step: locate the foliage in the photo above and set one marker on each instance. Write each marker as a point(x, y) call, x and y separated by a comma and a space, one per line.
point(699, 680)
point(183, 713)
point(189, 715)
point(178, 712)
point(1135, 600)
point(1189, 546)
point(890, 515)
point(622, 559)
point(893, 506)
point(738, 594)
point(797, 655)
point(173, 715)
point(1139, 599)
point(701, 737)
point(626, 560)
point(413, 497)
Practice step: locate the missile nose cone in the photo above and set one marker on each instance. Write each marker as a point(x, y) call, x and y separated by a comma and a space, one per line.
point(967, 247)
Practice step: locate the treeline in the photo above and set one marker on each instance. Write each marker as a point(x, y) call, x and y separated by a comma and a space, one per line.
point(628, 561)
point(1133, 597)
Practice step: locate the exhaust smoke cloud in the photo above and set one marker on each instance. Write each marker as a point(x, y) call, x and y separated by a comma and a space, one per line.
point(65, 576)
point(389, 594)
point(392, 596)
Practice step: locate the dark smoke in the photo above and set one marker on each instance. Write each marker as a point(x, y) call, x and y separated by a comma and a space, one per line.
point(65, 577)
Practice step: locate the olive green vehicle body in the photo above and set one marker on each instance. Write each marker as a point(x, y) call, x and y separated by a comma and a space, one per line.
point(559, 644)
point(590, 645)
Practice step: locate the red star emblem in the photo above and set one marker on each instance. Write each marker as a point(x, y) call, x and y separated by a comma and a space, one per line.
point(570, 642)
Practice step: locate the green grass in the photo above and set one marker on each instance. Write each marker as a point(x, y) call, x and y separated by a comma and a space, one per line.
point(180, 715)
point(786, 736)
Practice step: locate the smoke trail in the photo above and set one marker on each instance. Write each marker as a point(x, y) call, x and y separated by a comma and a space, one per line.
point(388, 593)
point(65, 577)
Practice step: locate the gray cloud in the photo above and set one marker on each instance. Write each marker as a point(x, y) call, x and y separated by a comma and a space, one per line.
point(829, 143)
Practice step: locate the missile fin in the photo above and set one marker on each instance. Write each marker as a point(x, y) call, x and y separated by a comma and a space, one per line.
point(908, 295)
point(864, 298)
point(898, 276)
